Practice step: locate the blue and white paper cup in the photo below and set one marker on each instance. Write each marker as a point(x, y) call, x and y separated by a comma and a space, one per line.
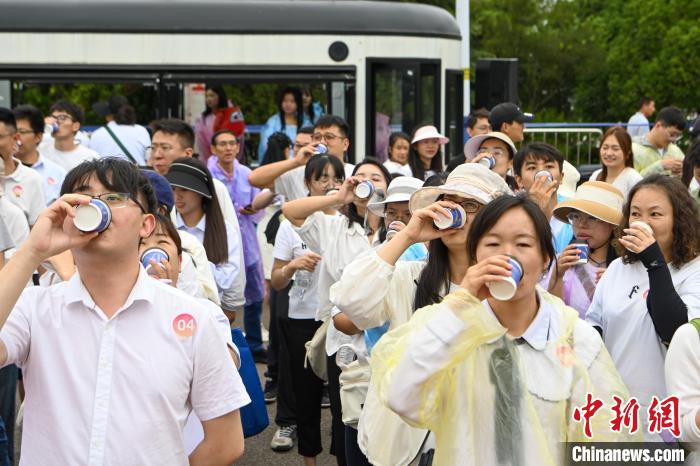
point(364, 190)
point(456, 220)
point(94, 216)
point(504, 289)
point(488, 162)
point(393, 228)
point(156, 254)
point(583, 251)
point(320, 149)
point(544, 173)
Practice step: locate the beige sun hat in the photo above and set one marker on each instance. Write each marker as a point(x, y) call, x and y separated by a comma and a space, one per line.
point(471, 148)
point(595, 198)
point(469, 180)
point(429, 132)
point(400, 190)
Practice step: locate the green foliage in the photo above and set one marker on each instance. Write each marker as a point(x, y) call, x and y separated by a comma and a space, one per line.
point(591, 60)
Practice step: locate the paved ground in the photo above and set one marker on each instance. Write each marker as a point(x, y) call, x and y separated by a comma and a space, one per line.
point(257, 449)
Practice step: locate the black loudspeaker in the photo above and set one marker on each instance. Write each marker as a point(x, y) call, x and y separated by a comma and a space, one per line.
point(496, 82)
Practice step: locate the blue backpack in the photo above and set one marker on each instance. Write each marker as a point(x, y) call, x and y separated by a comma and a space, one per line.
point(253, 415)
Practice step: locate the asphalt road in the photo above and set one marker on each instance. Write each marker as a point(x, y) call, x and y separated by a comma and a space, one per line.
point(258, 452)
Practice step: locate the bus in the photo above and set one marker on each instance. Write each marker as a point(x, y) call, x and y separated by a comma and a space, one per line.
point(383, 66)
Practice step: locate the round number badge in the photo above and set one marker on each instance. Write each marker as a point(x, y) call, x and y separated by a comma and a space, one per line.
point(184, 325)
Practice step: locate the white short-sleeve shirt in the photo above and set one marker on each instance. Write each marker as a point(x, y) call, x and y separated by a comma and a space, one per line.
point(619, 309)
point(134, 138)
point(68, 159)
point(289, 246)
point(25, 188)
point(117, 391)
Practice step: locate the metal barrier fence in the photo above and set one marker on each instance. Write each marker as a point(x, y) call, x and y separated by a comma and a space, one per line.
point(579, 145)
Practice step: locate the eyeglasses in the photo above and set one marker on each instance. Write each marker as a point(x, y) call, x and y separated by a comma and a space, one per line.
point(62, 118)
point(578, 218)
point(392, 215)
point(492, 151)
point(328, 137)
point(470, 207)
point(673, 137)
point(223, 144)
point(118, 200)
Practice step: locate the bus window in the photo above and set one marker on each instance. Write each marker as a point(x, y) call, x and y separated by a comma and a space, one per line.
point(402, 94)
point(454, 117)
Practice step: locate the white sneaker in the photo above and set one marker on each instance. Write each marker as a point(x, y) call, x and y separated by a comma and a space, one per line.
point(284, 439)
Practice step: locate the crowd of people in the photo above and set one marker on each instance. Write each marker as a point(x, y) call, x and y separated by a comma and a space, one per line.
point(483, 306)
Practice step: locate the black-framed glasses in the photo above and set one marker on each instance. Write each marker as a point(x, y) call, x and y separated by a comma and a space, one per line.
point(62, 118)
point(118, 200)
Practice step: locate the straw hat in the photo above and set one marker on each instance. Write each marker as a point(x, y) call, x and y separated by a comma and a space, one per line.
point(470, 180)
point(596, 198)
point(471, 148)
point(429, 132)
point(400, 190)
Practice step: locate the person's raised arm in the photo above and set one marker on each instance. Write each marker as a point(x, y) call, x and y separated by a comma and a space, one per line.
point(296, 211)
point(264, 176)
point(52, 234)
point(419, 229)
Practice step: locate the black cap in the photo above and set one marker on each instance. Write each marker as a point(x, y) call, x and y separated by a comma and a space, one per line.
point(111, 106)
point(507, 112)
point(190, 178)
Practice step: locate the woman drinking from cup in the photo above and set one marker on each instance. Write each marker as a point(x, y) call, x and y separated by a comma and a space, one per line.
point(497, 379)
point(654, 287)
point(594, 213)
point(378, 289)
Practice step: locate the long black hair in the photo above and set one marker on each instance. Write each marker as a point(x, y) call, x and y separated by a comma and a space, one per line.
point(434, 277)
point(215, 239)
point(415, 162)
point(223, 100)
point(300, 106)
point(351, 210)
point(311, 113)
point(276, 144)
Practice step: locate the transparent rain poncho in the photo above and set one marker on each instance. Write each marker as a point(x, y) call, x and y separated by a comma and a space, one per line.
point(496, 402)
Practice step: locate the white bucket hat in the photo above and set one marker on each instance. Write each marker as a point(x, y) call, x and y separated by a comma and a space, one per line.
point(570, 181)
point(471, 148)
point(429, 132)
point(596, 198)
point(469, 180)
point(400, 190)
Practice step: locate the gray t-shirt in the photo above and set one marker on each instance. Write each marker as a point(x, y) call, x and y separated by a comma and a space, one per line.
point(291, 184)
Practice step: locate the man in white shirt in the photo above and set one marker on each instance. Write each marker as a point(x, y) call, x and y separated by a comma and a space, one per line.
point(118, 360)
point(287, 176)
point(30, 126)
point(67, 118)
point(638, 124)
point(172, 139)
point(22, 185)
point(121, 126)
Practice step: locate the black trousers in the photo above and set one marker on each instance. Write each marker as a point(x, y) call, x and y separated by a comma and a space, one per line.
point(8, 387)
point(337, 426)
point(353, 454)
point(308, 389)
point(278, 354)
